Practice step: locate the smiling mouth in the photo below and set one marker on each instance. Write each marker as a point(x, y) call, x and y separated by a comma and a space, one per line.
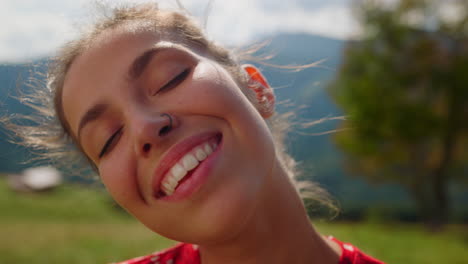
point(186, 165)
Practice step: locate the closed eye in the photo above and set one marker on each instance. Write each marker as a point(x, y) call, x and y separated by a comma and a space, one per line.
point(110, 143)
point(175, 81)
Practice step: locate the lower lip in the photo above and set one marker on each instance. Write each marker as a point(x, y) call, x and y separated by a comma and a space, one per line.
point(196, 179)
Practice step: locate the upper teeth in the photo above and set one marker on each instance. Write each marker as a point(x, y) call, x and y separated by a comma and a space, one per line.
point(187, 163)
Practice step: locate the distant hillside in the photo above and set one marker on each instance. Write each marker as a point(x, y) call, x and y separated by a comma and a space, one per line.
point(12, 78)
point(320, 159)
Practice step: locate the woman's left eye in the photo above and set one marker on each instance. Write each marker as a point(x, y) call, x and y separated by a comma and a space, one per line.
point(178, 79)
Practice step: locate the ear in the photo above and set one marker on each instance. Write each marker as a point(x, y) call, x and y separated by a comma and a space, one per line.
point(264, 94)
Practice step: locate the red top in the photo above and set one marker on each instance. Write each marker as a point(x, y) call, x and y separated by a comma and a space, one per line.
point(189, 254)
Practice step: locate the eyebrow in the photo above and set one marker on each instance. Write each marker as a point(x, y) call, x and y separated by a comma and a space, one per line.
point(91, 115)
point(139, 65)
point(141, 62)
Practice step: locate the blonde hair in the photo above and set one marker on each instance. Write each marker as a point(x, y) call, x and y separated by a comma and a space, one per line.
point(51, 134)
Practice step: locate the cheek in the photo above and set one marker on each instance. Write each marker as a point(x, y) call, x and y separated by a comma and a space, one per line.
point(120, 181)
point(213, 92)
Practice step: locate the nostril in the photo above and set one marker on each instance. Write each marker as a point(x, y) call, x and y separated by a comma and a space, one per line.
point(146, 147)
point(164, 130)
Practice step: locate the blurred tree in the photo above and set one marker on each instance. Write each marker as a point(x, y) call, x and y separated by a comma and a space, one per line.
point(404, 88)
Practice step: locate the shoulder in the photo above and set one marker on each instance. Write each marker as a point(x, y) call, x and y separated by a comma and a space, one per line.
point(352, 255)
point(180, 254)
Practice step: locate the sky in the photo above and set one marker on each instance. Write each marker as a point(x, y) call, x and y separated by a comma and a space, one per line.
point(33, 29)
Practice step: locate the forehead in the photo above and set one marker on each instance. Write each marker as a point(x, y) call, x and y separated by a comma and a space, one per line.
point(103, 63)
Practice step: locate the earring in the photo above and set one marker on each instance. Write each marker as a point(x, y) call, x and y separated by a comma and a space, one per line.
point(265, 98)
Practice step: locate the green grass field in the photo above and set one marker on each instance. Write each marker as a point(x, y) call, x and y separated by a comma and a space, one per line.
point(80, 225)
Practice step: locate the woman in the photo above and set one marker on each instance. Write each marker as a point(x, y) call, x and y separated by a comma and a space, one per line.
point(177, 130)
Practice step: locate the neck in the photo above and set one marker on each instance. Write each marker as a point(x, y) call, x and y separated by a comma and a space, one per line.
point(278, 232)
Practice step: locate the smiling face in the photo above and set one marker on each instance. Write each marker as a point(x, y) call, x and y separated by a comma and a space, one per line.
point(195, 175)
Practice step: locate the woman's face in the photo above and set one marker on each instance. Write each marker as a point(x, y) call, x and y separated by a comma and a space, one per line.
point(115, 98)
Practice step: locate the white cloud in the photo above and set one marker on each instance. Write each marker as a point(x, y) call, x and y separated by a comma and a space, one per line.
point(36, 28)
point(238, 22)
point(24, 39)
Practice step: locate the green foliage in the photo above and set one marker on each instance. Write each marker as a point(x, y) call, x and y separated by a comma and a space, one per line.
point(73, 224)
point(397, 243)
point(76, 224)
point(404, 90)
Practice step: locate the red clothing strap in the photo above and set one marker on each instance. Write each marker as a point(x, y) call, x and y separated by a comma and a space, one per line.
point(352, 255)
point(188, 254)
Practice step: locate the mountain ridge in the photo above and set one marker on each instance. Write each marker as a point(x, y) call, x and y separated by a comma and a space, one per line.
point(305, 87)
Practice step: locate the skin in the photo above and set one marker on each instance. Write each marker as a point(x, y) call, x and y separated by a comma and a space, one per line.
point(247, 210)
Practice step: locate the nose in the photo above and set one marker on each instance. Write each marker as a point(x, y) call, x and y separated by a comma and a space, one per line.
point(151, 130)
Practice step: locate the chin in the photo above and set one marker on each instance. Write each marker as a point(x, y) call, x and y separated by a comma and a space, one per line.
point(216, 221)
point(229, 210)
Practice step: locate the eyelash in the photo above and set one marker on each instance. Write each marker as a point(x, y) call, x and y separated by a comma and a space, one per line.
point(110, 142)
point(178, 79)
